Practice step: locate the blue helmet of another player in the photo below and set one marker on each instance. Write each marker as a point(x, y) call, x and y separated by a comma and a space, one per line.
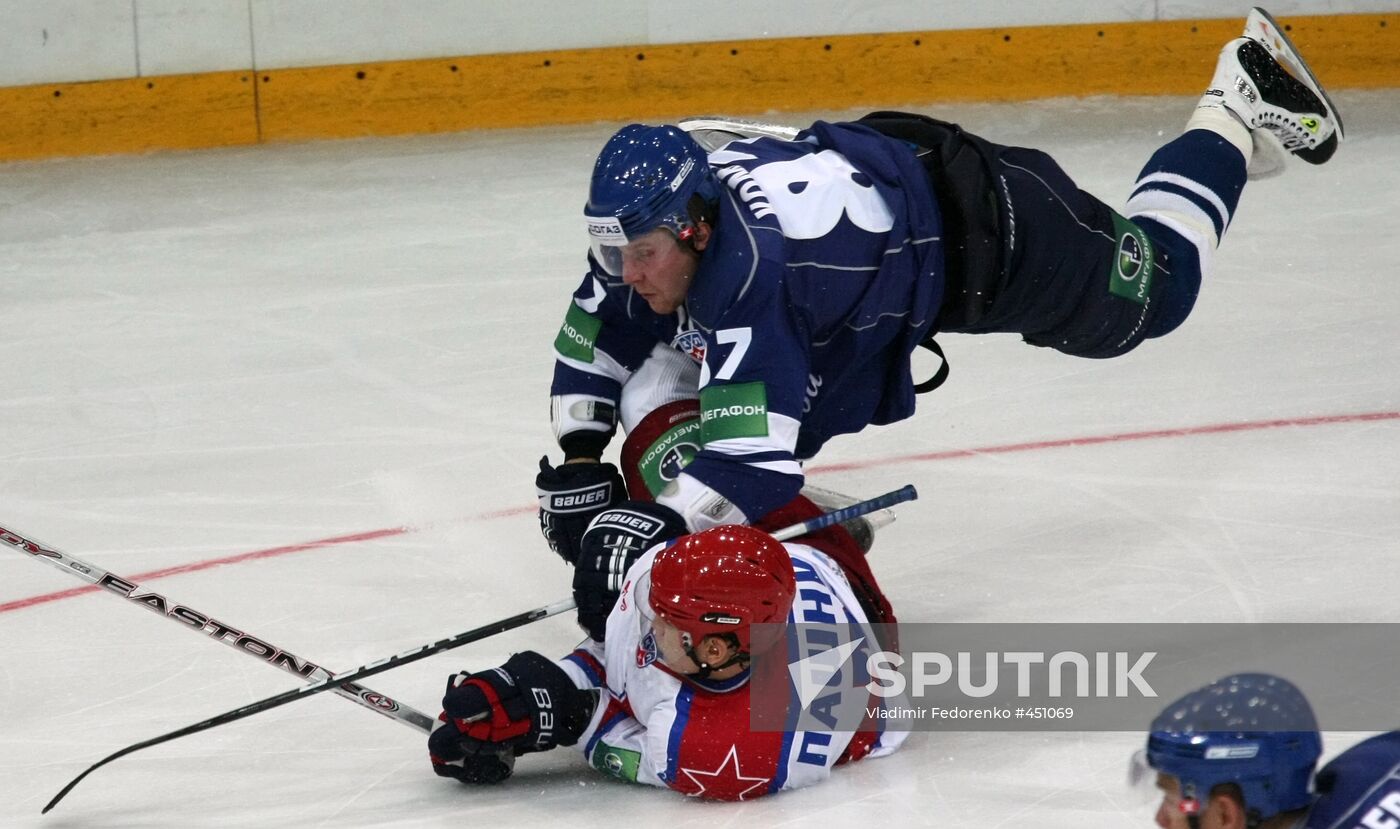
point(1256, 731)
point(644, 179)
point(1360, 787)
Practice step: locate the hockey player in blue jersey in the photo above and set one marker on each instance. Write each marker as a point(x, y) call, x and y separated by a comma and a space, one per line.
point(749, 299)
point(1360, 788)
point(1236, 754)
point(1240, 754)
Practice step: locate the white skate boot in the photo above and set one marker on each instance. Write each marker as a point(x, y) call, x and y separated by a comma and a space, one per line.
point(1261, 26)
point(1262, 81)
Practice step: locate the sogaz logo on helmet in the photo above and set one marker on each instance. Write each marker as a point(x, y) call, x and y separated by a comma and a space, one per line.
point(606, 229)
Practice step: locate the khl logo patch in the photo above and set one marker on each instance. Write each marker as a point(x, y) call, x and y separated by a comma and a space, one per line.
point(692, 344)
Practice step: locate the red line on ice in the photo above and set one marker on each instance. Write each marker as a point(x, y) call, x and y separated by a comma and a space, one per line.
point(818, 469)
point(1121, 437)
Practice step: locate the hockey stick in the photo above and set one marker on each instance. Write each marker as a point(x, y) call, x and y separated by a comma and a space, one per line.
point(889, 499)
point(219, 631)
point(836, 516)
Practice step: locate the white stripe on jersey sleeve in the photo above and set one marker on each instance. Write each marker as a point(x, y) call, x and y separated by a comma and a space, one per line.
point(781, 437)
point(603, 365)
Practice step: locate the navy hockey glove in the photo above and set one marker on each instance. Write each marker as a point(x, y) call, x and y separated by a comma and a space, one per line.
point(528, 704)
point(570, 495)
point(451, 760)
point(613, 542)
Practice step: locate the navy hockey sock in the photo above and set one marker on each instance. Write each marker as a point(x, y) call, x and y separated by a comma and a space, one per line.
point(1195, 180)
point(1185, 199)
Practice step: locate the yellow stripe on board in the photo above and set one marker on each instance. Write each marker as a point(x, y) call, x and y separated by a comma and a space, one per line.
point(213, 109)
point(658, 82)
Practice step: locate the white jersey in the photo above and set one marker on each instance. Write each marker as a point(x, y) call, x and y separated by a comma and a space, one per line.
point(655, 727)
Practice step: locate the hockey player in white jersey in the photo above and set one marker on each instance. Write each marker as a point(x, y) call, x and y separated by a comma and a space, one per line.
point(665, 699)
point(785, 277)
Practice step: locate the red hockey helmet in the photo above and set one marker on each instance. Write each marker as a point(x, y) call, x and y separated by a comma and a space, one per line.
point(721, 581)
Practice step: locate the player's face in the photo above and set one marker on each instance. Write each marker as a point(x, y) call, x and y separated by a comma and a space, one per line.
point(660, 268)
point(670, 647)
point(1217, 813)
point(1169, 814)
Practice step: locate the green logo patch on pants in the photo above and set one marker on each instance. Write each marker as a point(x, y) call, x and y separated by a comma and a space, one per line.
point(1130, 276)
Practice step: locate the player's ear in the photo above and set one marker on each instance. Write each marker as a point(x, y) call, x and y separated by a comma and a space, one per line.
point(1228, 811)
point(702, 235)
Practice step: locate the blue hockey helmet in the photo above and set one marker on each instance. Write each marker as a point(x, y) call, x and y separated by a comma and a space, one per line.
point(1254, 730)
point(1361, 786)
point(644, 179)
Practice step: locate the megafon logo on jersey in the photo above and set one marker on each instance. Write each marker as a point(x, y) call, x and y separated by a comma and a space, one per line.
point(664, 460)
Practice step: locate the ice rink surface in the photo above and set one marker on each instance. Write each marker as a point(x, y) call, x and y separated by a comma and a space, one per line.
point(210, 354)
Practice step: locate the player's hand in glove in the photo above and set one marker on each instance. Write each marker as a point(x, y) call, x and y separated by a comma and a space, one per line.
point(614, 540)
point(451, 760)
point(491, 717)
point(570, 495)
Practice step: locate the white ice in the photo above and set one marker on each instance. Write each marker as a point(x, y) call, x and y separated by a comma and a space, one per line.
point(210, 353)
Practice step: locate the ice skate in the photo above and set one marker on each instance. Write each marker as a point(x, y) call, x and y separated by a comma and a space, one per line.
point(1269, 87)
point(1261, 26)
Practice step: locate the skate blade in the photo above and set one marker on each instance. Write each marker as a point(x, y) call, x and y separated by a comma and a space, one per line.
point(1261, 26)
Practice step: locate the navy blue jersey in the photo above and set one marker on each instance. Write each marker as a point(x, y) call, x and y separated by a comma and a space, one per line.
point(824, 272)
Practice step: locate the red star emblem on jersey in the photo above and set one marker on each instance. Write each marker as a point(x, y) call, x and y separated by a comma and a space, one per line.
point(725, 782)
